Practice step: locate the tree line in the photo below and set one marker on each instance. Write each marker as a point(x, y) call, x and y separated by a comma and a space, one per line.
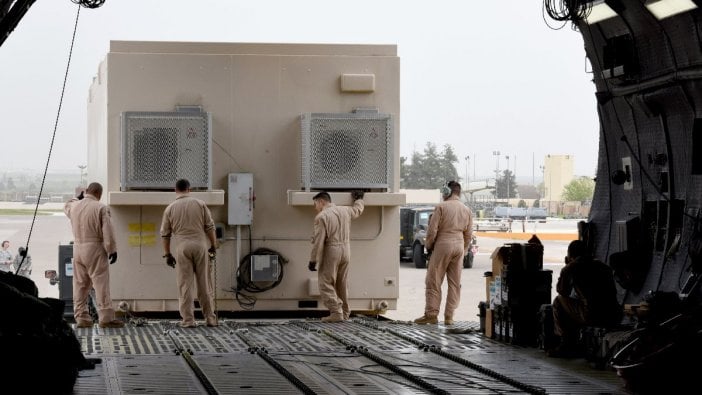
point(432, 168)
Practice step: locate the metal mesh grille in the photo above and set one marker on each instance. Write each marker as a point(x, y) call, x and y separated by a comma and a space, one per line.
point(346, 150)
point(160, 147)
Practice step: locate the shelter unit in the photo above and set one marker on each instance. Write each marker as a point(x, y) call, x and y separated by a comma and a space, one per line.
point(258, 129)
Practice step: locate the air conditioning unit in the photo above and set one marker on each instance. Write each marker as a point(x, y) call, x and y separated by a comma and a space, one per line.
point(158, 148)
point(347, 150)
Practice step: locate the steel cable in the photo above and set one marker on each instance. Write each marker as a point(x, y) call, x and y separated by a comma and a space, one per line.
point(53, 138)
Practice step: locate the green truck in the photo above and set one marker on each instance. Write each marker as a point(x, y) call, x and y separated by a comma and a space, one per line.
point(413, 230)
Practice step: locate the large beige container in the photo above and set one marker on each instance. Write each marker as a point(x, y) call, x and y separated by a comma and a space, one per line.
point(256, 95)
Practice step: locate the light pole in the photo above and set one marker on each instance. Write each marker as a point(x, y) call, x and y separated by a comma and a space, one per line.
point(507, 177)
point(474, 159)
point(497, 170)
point(82, 173)
point(543, 182)
point(467, 175)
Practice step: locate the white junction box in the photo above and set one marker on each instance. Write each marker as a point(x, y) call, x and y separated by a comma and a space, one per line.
point(241, 199)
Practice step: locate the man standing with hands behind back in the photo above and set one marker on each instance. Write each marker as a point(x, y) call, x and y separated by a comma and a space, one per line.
point(449, 236)
point(93, 244)
point(331, 248)
point(189, 222)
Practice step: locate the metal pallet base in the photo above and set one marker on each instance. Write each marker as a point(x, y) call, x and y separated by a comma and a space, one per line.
point(339, 358)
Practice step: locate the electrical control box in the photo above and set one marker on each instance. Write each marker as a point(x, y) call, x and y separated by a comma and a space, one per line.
point(265, 268)
point(241, 199)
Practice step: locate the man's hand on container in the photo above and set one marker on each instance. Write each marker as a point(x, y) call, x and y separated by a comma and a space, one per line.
point(357, 194)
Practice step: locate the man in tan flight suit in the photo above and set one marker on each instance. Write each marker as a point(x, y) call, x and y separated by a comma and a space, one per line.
point(448, 237)
point(93, 244)
point(331, 248)
point(189, 222)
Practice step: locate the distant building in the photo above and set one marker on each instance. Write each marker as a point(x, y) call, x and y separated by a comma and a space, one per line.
point(558, 172)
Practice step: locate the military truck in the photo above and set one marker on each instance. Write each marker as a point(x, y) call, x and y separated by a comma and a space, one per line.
point(413, 231)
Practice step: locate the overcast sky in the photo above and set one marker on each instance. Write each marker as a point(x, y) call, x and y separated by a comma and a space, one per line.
point(482, 76)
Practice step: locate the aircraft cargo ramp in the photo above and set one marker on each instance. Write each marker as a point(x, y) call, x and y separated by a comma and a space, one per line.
point(359, 356)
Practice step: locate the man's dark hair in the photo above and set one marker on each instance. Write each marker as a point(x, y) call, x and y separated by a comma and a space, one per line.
point(182, 185)
point(455, 187)
point(577, 248)
point(94, 189)
point(323, 196)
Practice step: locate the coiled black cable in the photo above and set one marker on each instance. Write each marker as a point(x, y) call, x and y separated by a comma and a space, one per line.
point(89, 3)
point(568, 10)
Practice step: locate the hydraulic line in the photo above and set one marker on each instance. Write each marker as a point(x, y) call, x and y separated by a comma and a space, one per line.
point(455, 358)
point(187, 355)
point(377, 359)
point(263, 353)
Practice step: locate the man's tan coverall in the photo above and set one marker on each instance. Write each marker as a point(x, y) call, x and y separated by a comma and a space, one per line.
point(331, 249)
point(448, 236)
point(93, 241)
point(187, 221)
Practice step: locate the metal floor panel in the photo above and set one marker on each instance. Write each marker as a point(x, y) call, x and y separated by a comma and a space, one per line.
point(286, 337)
point(146, 339)
point(139, 374)
point(322, 356)
point(344, 372)
point(243, 373)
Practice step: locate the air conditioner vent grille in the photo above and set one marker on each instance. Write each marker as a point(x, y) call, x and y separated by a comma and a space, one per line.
point(346, 150)
point(160, 147)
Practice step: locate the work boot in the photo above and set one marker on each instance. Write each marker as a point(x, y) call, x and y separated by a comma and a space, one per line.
point(334, 317)
point(84, 324)
point(212, 323)
point(426, 319)
point(111, 324)
point(448, 320)
point(187, 325)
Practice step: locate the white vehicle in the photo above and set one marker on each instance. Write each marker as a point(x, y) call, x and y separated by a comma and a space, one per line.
point(490, 225)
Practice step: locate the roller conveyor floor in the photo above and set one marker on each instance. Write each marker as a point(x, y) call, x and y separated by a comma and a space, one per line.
point(360, 356)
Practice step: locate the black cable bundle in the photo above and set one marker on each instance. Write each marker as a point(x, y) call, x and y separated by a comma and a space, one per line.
point(89, 3)
point(243, 278)
point(568, 10)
